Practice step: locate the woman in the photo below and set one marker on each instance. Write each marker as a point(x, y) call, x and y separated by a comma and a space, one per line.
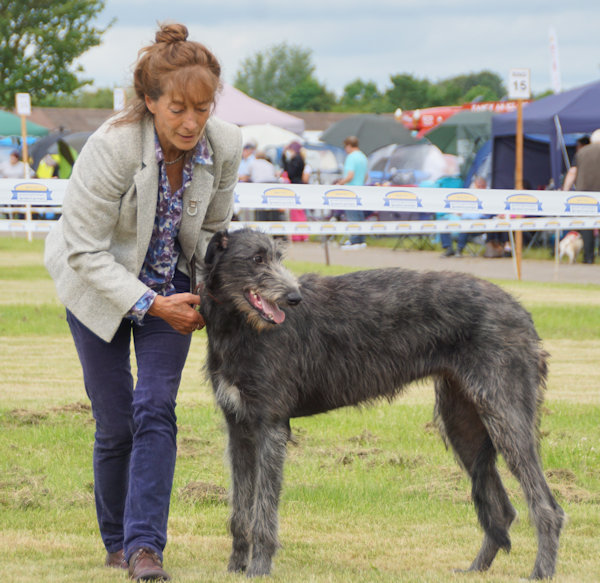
point(293, 164)
point(148, 190)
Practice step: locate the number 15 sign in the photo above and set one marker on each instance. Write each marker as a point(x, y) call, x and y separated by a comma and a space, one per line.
point(518, 84)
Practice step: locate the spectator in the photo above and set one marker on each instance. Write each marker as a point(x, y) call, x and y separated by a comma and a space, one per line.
point(262, 170)
point(571, 175)
point(498, 243)
point(294, 167)
point(134, 230)
point(462, 238)
point(248, 156)
point(355, 173)
point(292, 162)
point(587, 178)
point(13, 167)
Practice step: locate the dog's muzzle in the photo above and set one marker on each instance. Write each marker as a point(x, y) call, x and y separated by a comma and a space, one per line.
point(294, 298)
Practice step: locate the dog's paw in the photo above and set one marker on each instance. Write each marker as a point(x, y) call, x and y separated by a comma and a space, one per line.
point(259, 567)
point(237, 563)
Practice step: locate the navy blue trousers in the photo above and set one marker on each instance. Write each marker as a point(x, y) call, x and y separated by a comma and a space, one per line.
point(135, 441)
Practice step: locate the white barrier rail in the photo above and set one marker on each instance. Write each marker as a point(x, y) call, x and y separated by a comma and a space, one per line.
point(557, 210)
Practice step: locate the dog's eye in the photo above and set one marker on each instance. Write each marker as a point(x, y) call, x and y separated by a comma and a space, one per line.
point(258, 259)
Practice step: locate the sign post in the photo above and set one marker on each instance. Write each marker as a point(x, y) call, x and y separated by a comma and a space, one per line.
point(23, 109)
point(519, 89)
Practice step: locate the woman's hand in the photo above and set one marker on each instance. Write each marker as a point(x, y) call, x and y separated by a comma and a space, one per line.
point(178, 310)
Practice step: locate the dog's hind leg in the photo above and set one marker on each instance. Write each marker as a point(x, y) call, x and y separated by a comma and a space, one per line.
point(469, 439)
point(242, 457)
point(271, 451)
point(516, 442)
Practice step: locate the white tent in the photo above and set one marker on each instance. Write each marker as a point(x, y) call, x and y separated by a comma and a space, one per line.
point(235, 106)
point(266, 134)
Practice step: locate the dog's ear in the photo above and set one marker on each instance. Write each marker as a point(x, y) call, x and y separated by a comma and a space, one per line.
point(281, 247)
point(218, 243)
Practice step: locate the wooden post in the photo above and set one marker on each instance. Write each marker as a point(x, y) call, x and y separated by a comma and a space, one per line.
point(23, 109)
point(518, 238)
point(25, 158)
point(24, 150)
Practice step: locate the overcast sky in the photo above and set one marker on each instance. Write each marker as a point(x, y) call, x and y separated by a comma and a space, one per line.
point(368, 39)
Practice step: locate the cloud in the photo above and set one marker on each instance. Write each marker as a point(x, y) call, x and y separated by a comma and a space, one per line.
point(430, 39)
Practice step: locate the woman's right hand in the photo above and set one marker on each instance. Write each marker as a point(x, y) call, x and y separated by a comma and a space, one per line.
point(178, 310)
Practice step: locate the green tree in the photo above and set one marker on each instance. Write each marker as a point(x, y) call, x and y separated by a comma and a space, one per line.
point(310, 95)
point(461, 88)
point(280, 76)
point(363, 96)
point(100, 98)
point(39, 40)
point(479, 92)
point(408, 92)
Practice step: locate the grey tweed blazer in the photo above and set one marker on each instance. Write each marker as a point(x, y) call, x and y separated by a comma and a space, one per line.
point(95, 251)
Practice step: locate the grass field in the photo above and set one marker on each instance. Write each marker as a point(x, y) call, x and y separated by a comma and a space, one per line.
point(369, 494)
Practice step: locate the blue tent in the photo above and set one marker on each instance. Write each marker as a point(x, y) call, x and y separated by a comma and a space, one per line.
point(550, 126)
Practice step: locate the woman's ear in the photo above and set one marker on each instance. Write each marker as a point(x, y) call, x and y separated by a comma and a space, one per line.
point(150, 104)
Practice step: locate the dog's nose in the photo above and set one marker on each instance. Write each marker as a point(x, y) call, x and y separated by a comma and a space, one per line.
point(294, 298)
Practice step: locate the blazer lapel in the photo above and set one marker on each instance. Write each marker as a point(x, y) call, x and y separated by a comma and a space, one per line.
point(195, 201)
point(146, 185)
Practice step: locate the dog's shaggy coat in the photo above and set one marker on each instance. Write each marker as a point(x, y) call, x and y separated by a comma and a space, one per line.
point(280, 348)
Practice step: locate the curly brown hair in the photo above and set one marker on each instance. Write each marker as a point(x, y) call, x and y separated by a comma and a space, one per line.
point(173, 65)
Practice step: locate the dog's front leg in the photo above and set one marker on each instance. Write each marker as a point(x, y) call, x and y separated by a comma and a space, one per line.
point(271, 450)
point(242, 456)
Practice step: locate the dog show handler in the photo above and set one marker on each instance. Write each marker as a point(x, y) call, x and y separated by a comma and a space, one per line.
point(148, 190)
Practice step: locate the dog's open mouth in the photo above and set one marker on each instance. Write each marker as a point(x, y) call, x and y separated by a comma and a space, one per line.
point(267, 310)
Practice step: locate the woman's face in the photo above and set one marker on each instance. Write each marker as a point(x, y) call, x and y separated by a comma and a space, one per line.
point(179, 125)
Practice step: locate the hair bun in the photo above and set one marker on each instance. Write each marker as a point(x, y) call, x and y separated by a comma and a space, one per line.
point(171, 33)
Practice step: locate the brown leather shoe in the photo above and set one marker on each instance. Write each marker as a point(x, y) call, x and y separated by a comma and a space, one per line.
point(145, 565)
point(116, 560)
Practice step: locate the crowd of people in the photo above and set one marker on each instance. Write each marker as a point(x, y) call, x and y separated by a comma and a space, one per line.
point(256, 167)
point(292, 168)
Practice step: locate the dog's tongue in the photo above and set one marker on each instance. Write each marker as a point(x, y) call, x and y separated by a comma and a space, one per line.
point(273, 311)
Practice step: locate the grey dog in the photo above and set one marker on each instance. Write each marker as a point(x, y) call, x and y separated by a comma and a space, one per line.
point(281, 347)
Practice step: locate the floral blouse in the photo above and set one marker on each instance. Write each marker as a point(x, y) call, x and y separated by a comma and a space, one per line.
point(163, 251)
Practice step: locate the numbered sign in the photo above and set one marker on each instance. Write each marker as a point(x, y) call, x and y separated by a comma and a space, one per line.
point(23, 104)
point(518, 84)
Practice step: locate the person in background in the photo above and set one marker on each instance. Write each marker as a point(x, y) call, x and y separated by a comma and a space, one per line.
point(462, 238)
point(292, 162)
point(148, 190)
point(248, 156)
point(263, 170)
point(13, 167)
point(571, 175)
point(355, 174)
point(587, 178)
point(497, 244)
point(308, 169)
point(48, 167)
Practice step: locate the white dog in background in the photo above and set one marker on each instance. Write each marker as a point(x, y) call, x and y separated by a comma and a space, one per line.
point(570, 245)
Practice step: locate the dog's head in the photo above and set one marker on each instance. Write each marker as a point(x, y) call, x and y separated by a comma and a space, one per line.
point(243, 270)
